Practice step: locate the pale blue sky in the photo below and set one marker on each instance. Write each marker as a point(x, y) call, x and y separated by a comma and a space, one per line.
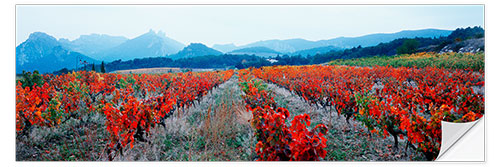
point(222, 24)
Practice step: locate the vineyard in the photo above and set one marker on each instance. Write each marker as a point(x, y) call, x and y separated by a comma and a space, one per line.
point(359, 109)
point(277, 140)
point(470, 61)
point(131, 104)
point(404, 103)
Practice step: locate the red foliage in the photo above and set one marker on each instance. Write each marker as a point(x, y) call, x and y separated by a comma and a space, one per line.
point(402, 102)
point(276, 140)
point(131, 103)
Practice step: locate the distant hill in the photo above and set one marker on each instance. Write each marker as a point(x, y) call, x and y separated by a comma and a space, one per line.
point(314, 51)
point(150, 44)
point(293, 45)
point(225, 47)
point(258, 51)
point(92, 44)
point(44, 53)
point(453, 42)
point(470, 39)
point(375, 39)
point(194, 50)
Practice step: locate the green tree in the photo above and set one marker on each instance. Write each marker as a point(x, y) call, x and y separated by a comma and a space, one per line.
point(93, 67)
point(409, 46)
point(30, 79)
point(103, 70)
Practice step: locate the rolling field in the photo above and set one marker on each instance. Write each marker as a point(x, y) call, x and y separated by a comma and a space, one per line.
point(469, 61)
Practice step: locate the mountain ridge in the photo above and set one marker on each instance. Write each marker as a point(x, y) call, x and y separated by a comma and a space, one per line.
point(108, 48)
point(150, 44)
point(296, 44)
point(92, 44)
point(44, 53)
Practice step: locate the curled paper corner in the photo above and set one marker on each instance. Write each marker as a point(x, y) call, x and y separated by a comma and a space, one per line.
point(462, 141)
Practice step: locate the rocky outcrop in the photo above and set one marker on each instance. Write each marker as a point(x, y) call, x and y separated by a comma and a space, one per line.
point(471, 45)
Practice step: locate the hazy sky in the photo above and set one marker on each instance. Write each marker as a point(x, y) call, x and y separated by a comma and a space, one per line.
point(222, 24)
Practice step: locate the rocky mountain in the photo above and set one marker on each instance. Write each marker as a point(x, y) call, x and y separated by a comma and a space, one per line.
point(470, 45)
point(195, 50)
point(150, 44)
point(44, 53)
point(91, 45)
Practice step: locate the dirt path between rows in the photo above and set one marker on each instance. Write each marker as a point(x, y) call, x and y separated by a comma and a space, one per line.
point(216, 128)
point(345, 142)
